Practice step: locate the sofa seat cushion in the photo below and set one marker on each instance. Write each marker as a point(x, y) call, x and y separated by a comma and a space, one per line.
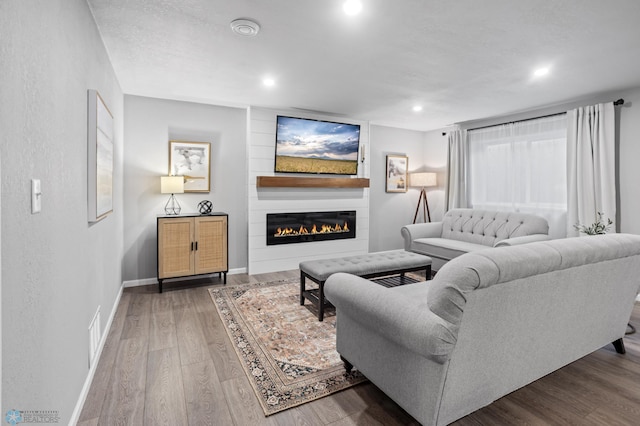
point(444, 248)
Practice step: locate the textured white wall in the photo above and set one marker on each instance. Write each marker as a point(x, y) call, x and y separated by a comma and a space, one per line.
point(390, 211)
point(1, 405)
point(149, 125)
point(629, 155)
point(56, 268)
point(435, 152)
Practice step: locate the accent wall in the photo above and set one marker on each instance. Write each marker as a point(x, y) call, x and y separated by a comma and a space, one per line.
point(261, 149)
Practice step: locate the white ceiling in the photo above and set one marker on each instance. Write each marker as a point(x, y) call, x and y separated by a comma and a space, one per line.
point(460, 59)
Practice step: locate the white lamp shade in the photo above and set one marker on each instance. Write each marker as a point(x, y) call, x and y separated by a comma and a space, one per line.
point(171, 184)
point(422, 179)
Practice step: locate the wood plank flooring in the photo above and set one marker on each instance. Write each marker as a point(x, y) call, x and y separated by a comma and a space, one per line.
point(167, 360)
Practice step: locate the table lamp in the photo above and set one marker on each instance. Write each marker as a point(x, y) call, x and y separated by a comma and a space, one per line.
point(172, 185)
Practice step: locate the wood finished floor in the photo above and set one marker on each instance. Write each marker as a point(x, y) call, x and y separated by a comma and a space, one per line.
point(167, 360)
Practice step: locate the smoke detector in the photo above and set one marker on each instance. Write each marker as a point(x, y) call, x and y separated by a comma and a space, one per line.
point(245, 27)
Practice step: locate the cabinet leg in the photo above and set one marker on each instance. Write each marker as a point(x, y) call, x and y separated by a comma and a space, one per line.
point(159, 286)
point(225, 278)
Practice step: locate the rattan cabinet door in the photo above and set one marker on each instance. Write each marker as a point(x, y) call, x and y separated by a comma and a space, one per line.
point(211, 244)
point(175, 248)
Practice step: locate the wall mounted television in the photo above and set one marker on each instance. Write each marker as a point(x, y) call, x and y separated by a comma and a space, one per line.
point(315, 146)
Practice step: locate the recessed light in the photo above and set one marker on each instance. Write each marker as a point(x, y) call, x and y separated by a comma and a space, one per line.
point(268, 82)
point(541, 72)
point(245, 27)
point(352, 7)
point(417, 108)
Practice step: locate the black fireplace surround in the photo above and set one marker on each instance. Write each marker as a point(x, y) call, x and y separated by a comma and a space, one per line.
point(288, 228)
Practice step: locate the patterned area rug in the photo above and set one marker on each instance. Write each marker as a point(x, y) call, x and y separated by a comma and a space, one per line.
point(288, 355)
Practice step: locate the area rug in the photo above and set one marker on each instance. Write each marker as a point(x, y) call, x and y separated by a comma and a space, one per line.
point(288, 355)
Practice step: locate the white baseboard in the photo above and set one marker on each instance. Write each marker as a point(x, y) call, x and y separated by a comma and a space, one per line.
point(638, 298)
point(138, 283)
point(75, 416)
point(154, 281)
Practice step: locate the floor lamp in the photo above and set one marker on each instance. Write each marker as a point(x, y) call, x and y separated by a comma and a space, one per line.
point(422, 180)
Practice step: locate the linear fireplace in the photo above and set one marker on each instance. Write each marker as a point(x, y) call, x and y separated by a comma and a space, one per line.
point(288, 228)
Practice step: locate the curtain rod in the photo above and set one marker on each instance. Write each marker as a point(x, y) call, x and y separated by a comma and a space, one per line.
point(616, 103)
point(517, 121)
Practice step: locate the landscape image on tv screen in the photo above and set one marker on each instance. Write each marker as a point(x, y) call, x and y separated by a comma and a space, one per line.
point(314, 146)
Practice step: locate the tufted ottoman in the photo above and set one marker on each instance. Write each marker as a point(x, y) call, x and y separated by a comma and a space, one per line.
point(366, 266)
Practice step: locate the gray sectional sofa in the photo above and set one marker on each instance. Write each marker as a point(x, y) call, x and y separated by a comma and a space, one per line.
point(467, 230)
point(489, 323)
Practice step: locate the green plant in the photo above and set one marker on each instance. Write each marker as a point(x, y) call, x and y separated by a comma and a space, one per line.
point(596, 228)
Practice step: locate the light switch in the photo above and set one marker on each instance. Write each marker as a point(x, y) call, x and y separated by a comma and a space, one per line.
point(36, 196)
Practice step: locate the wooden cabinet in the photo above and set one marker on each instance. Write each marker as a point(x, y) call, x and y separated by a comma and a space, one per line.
point(192, 245)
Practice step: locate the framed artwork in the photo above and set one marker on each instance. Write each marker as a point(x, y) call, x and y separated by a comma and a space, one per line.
point(397, 166)
point(191, 160)
point(100, 158)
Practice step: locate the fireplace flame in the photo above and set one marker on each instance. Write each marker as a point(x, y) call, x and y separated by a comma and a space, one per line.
point(323, 229)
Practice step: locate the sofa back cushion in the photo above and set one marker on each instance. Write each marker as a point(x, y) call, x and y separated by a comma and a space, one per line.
point(448, 292)
point(489, 227)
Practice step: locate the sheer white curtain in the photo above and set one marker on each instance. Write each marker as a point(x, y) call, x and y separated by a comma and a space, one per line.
point(457, 158)
point(591, 165)
point(521, 167)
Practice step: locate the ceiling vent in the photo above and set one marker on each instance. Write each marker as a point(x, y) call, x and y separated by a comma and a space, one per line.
point(245, 27)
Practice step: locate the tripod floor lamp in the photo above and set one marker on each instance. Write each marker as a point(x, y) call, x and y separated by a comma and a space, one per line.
point(422, 180)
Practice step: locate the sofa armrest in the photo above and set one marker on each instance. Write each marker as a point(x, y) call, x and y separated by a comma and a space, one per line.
point(420, 230)
point(522, 240)
point(384, 311)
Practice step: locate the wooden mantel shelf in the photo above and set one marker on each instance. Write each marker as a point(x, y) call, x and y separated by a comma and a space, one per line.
point(310, 182)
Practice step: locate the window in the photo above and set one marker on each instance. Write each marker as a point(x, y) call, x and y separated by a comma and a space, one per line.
point(521, 166)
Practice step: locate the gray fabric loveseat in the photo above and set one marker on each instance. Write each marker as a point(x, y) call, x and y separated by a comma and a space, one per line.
point(466, 230)
point(489, 323)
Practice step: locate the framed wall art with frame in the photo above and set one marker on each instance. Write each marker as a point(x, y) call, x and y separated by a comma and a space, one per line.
point(99, 158)
point(396, 177)
point(191, 160)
